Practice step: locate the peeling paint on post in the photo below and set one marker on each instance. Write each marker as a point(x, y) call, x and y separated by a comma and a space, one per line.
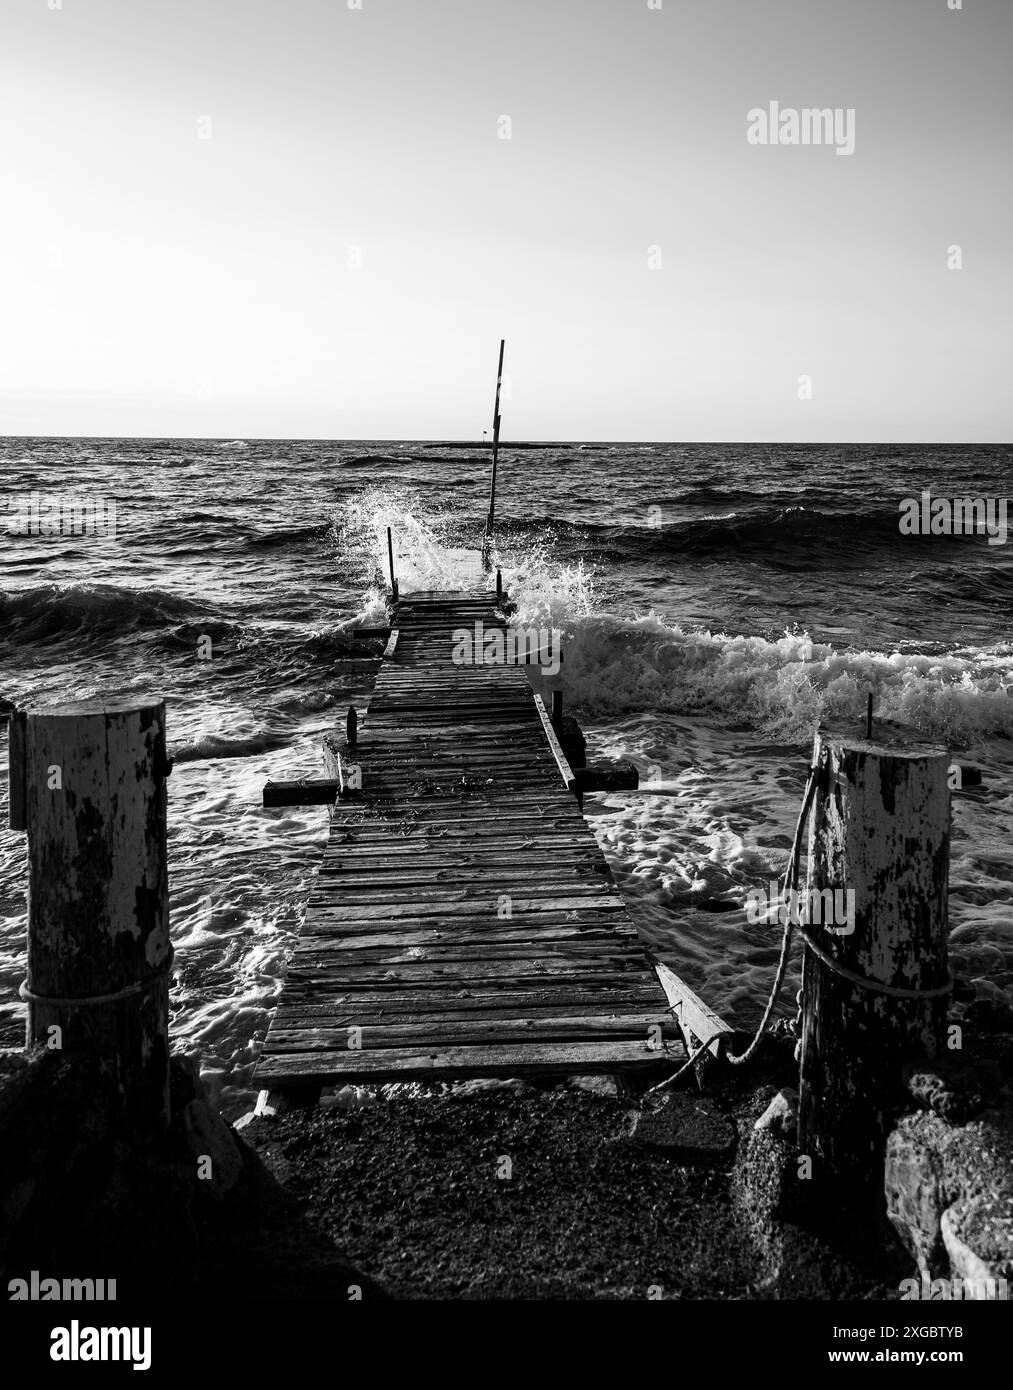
point(98, 920)
point(880, 825)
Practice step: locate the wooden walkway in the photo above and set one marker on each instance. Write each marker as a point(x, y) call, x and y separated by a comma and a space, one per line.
point(464, 922)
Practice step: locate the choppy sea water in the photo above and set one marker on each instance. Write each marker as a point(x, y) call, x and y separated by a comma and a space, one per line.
point(716, 601)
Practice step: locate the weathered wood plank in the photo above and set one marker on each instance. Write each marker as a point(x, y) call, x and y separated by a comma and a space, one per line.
point(441, 1032)
point(699, 1024)
point(517, 1059)
point(558, 996)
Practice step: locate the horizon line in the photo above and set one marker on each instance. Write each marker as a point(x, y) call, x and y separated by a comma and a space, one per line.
point(516, 444)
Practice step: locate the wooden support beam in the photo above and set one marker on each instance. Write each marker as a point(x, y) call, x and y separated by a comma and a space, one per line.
point(321, 791)
point(607, 777)
point(565, 770)
point(94, 808)
point(700, 1025)
point(880, 829)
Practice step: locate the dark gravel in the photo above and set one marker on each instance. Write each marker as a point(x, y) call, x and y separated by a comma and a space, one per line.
point(408, 1190)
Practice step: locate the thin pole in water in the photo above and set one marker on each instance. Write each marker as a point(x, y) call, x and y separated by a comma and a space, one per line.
point(495, 445)
point(390, 557)
point(868, 717)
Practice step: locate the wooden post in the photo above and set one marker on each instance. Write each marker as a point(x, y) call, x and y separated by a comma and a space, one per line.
point(880, 827)
point(499, 586)
point(94, 804)
point(495, 444)
point(351, 726)
point(557, 709)
point(390, 557)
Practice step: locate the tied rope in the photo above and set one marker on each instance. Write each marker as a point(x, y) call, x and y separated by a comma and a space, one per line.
point(88, 1000)
point(790, 882)
point(791, 921)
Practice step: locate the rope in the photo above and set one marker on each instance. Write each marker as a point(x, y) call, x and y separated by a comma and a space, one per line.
point(790, 886)
point(88, 1000)
point(663, 1085)
point(877, 986)
point(790, 882)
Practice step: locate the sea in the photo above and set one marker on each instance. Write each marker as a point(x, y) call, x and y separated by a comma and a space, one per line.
point(716, 602)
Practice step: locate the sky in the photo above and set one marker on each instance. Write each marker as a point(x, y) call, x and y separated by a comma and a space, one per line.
point(303, 218)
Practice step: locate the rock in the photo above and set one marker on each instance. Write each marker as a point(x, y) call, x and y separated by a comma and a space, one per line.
point(781, 1115)
point(483, 1085)
point(688, 1127)
point(913, 1178)
point(209, 1137)
point(933, 1167)
point(954, 1089)
point(608, 1087)
point(972, 1232)
point(352, 1098)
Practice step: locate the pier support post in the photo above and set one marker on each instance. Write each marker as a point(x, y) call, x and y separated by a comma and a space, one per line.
point(879, 828)
point(557, 710)
point(351, 727)
point(93, 803)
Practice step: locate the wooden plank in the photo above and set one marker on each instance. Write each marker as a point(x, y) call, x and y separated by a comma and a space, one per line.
point(321, 953)
point(555, 996)
point(417, 912)
point(450, 974)
point(317, 922)
point(515, 1059)
point(487, 934)
point(440, 1032)
point(700, 1025)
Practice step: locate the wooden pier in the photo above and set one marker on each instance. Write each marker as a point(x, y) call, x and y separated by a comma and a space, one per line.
point(464, 922)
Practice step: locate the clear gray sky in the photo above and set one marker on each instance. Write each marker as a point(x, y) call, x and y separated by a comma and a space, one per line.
point(156, 282)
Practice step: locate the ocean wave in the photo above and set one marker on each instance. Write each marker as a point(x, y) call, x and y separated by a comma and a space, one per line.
point(362, 460)
point(782, 687)
point(50, 613)
point(218, 746)
point(288, 535)
point(743, 523)
point(778, 532)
